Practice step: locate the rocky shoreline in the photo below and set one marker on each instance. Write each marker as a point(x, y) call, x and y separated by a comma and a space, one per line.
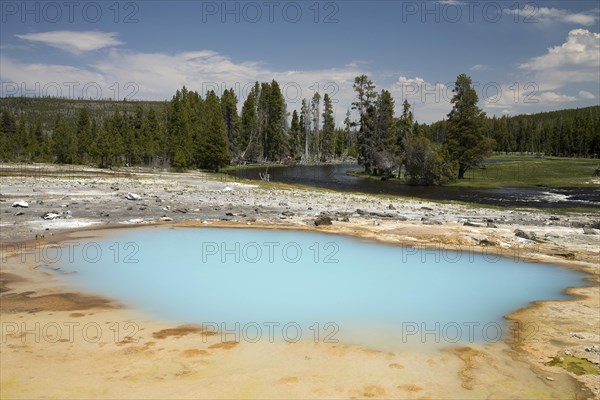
point(45, 207)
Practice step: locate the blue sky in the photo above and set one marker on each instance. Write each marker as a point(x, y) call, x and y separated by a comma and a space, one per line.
point(524, 57)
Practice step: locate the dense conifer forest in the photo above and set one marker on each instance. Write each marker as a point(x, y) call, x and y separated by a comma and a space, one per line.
point(210, 132)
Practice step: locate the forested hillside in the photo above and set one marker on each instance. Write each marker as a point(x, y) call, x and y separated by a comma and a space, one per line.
point(564, 133)
point(191, 131)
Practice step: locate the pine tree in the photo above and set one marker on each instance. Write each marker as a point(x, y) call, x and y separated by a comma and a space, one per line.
point(365, 95)
point(84, 135)
point(305, 128)
point(232, 121)
point(295, 136)
point(384, 137)
point(315, 107)
point(214, 149)
point(63, 142)
point(151, 135)
point(249, 130)
point(466, 143)
point(276, 133)
point(350, 143)
point(328, 140)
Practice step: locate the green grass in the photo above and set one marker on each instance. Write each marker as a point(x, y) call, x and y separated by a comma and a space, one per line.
point(525, 171)
point(552, 172)
point(578, 366)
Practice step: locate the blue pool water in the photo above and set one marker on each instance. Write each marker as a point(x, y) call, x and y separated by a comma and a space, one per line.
point(289, 285)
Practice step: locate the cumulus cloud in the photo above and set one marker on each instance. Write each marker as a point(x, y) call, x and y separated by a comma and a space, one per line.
point(584, 94)
point(75, 42)
point(553, 97)
point(576, 60)
point(546, 15)
point(451, 2)
point(156, 76)
point(479, 67)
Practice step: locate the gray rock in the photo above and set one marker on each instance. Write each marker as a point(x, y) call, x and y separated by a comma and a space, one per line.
point(133, 196)
point(287, 213)
point(323, 219)
point(20, 204)
point(376, 222)
point(391, 207)
point(589, 231)
point(525, 235)
point(49, 216)
point(476, 224)
point(577, 335)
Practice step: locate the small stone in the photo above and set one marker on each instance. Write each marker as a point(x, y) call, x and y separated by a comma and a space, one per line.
point(589, 231)
point(323, 220)
point(549, 378)
point(20, 204)
point(475, 224)
point(376, 222)
point(166, 219)
point(133, 196)
point(577, 335)
point(391, 207)
point(49, 216)
point(283, 204)
point(525, 235)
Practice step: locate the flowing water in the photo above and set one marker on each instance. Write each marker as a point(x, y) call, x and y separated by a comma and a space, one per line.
point(336, 177)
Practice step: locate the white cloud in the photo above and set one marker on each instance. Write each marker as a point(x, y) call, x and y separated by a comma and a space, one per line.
point(553, 97)
point(75, 42)
point(547, 15)
point(584, 94)
point(479, 67)
point(430, 100)
point(156, 76)
point(451, 2)
point(576, 60)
